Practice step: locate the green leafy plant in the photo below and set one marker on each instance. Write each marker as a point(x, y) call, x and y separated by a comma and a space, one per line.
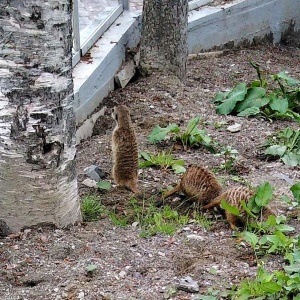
point(192, 136)
point(256, 99)
point(285, 145)
point(229, 155)
point(91, 209)
point(163, 159)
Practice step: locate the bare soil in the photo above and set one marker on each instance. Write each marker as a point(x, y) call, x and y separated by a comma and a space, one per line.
point(49, 263)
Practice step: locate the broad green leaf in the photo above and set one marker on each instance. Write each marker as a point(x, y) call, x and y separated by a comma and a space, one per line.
point(145, 155)
point(220, 96)
point(295, 189)
point(192, 125)
point(297, 297)
point(236, 95)
point(271, 287)
point(291, 159)
point(276, 150)
point(296, 256)
point(251, 238)
point(158, 133)
point(104, 185)
point(285, 228)
point(255, 83)
point(145, 164)
point(251, 111)
point(254, 98)
point(279, 104)
point(247, 209)
point(179, 162)
point(232, 209)
point(286, 133)
point(178, 169)
point(263, 194)
point(289, 80)
point(292, 268)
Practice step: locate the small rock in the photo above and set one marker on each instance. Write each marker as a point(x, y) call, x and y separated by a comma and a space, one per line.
point(4, 229)
point(122, 274)
point(161, 253)
point(195, 237)
point(234, 128)
point(56, 289)
point(137, 275)
point(187, 284)
point(135, 224)
point(89, 183)
point(94, 172)
point(80, 295)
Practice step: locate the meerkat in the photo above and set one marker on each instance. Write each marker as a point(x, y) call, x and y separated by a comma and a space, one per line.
point(198, 183)
point(124, 150)
point(234, 197)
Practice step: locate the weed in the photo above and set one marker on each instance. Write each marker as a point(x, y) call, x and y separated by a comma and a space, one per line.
point(229, 155)
point(91, 209)
point(256, 99)
point(163, 159)
point(286, 145)
point(116, 219)
point(201, 220)
point(192, 136)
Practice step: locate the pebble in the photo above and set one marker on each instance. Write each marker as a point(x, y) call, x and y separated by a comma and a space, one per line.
point(188, 285)
point(195, 237)
point(80, 295)
point(234, 128)
point(122, 274)
point(89, 182)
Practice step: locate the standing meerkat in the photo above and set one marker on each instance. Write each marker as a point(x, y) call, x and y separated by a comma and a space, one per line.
point(234, 196)
point(124, 150)
point(198, 183)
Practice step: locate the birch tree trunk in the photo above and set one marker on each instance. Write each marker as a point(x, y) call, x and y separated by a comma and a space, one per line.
point(164, 37)
point(38, 182)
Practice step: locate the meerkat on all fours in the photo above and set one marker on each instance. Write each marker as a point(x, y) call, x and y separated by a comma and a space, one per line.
point(124, 150)
point(234, 196)
point(197, 183)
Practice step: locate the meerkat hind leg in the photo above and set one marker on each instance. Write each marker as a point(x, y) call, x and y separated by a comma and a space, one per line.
point(172, 191)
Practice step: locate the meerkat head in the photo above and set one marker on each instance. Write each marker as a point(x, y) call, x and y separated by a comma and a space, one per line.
point(121, 114)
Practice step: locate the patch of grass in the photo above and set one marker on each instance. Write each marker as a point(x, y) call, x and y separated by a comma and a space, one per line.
point(153, 220)
point(201, 220)
point(163, 159)
point(91, 208)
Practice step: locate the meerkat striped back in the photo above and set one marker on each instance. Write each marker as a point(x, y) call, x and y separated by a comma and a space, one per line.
point(199, 183)
point(234, 196)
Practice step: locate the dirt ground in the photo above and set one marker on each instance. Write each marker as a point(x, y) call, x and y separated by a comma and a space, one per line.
point(49, 263)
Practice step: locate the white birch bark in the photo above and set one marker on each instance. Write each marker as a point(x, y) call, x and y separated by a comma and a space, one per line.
point(38, 182)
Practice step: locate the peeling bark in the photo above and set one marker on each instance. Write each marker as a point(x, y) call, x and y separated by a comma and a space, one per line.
point(38, 181)
point(164, 37)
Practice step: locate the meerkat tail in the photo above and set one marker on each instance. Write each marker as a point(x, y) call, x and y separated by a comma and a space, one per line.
point(215, 202)
point(176, 189)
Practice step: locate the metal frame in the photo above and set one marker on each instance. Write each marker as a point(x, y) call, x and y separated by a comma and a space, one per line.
point(80, 47)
